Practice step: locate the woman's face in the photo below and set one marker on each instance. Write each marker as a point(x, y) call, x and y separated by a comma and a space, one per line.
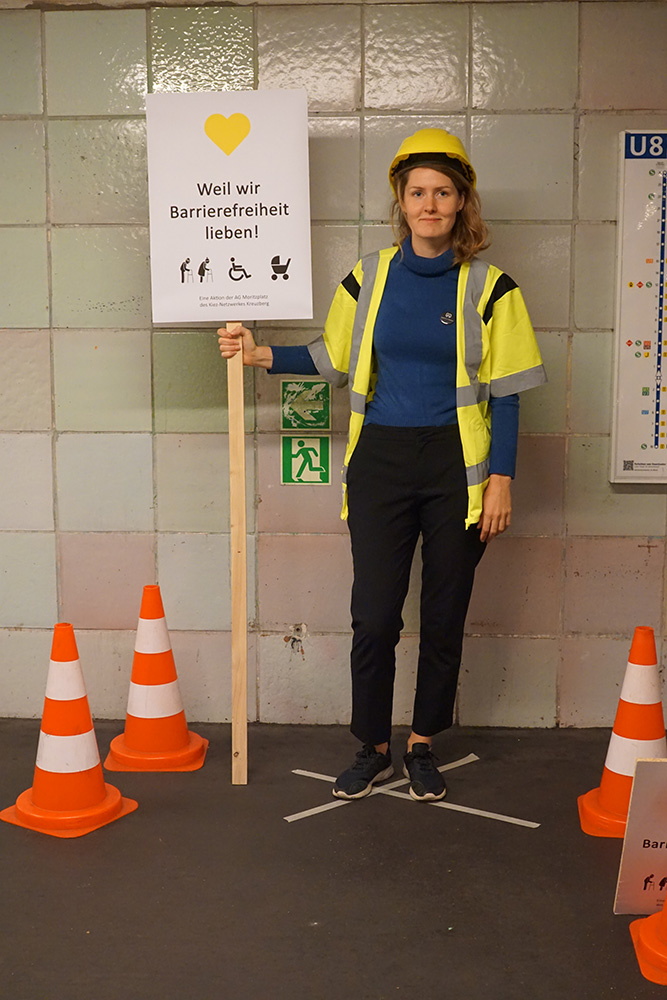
point(430, 203)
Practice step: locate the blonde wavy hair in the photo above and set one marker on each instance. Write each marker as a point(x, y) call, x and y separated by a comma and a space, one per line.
point(470, 234)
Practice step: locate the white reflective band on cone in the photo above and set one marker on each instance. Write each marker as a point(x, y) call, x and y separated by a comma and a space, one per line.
point(154, 701)
point(65, 681)
point(623, 753)
point(642, 684)
point(67, 753)
point(152, 636)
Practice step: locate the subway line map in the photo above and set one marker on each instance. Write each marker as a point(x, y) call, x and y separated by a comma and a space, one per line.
point(639, 432)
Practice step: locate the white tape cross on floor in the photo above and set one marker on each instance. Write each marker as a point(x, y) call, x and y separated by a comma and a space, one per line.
point(390, 789)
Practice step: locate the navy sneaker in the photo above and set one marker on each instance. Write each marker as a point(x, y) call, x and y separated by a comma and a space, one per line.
point(369, 766)
point(426, 782)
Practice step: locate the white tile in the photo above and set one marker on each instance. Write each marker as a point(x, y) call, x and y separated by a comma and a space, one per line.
point(304, 681)
point(592, 383)
point(594, 279)
point(524, 165)
point(318, 50)
point(203, 662)
point(524, 55)
point(590, 680)
point(416, 57)
point(25, 389)
point(594, 506)
point(622, 52)
point(508, 682)
point(334, 168)
point(538, 258)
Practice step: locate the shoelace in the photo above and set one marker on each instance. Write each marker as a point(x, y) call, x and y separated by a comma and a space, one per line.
point(425, 761)
point(363, 756)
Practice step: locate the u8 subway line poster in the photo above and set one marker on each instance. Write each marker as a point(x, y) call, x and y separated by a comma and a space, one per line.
point(639, 432)
point(229, 206)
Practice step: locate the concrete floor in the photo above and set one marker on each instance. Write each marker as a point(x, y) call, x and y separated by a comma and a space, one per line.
point(206, 892)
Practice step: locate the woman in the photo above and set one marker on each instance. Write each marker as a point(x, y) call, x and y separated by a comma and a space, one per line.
point(435, 344)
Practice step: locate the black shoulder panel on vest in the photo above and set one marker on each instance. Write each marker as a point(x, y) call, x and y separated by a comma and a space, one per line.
point(351, 285)
point(503, 285)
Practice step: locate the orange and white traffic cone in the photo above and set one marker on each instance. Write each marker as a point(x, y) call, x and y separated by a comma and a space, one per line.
point(156, 736)
point(639, 731)
point(69, 796)
point(649, 936)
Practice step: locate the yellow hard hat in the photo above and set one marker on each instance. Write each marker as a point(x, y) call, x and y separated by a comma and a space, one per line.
point(432, 145)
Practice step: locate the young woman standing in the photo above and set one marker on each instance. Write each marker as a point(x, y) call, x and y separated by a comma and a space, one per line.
point(434, 345)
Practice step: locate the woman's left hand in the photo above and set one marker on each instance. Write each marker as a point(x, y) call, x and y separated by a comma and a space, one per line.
point(496, 508)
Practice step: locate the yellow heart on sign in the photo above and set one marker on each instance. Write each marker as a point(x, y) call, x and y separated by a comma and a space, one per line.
point(227, 133)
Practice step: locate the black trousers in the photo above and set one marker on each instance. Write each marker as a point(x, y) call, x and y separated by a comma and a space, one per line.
point(404, 482)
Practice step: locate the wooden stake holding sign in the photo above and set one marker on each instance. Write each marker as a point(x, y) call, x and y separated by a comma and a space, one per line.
point(239, 562)
point(230, 236)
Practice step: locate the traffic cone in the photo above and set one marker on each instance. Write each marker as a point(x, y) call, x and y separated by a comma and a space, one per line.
point(638, 731)
point(156, 736)
point(69, 796)
point(649, 936)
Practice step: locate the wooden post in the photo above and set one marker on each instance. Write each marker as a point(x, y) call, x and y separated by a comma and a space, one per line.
point(237, 509)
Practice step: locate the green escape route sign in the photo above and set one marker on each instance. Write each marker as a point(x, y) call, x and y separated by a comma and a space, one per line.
point(306, 460)
point(305, 404)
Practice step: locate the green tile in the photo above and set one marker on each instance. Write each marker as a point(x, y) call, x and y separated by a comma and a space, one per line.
point(95, 62)
point(190, 382)
point(23, 172)
point(28, 579)
point(97, 171)
point(102, 380)
point(199, 48)
point(24, 294)
point(100, 277)
point(20, 62)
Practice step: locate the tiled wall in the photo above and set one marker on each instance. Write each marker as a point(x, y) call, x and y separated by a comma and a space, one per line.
point(113, 450)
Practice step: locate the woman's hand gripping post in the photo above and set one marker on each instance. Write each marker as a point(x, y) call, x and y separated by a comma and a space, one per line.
point(235, 337)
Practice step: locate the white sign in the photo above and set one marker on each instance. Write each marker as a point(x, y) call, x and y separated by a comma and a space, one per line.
point(639, 433)
point(642, 877)
point(229, 206)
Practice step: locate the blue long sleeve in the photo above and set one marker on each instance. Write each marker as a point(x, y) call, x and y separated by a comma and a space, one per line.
point(292, 361)
point(504, 434)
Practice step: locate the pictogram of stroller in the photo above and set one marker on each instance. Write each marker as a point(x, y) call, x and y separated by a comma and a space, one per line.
point(279, 268)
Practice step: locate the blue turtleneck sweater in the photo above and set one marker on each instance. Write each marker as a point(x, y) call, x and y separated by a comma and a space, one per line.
point(415, 354)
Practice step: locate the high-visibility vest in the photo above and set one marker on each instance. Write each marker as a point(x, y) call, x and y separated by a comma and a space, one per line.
point(497, 354)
